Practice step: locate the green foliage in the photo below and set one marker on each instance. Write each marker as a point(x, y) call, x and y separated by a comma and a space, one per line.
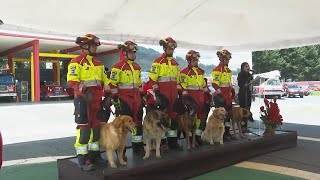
point(298, 64)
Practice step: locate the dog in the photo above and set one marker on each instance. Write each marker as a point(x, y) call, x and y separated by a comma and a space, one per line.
point(186, 109)
point(113, 137)
point(237, 116)
point(215, 126)
point(154, 126)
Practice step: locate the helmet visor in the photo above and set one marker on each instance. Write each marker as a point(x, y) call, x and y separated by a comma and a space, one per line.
point(172, 45)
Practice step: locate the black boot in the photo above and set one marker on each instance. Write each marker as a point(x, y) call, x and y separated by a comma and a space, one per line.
point(84, 162)
point(173, 144)
point(95, 157)
point(227, 136)
point(138, 149)
point(199, 141)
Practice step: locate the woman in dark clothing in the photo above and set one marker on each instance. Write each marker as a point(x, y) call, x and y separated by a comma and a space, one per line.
point(245, 91)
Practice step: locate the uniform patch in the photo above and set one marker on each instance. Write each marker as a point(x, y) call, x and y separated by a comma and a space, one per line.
point(183, 79)
point(153, 69)
point(73, 71)
point(113, 75)
point(216, 77)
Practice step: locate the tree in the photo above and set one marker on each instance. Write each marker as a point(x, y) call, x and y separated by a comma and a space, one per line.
point(298, 64)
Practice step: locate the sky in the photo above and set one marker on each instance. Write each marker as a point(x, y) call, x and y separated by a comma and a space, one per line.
point(208, 57)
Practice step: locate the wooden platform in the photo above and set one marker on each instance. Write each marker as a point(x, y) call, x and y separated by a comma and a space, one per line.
point(182, 164)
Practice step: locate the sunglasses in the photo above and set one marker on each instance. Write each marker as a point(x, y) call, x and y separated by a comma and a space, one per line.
point(133, 47)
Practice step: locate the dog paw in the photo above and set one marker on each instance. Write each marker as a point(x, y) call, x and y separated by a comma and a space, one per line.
point(113, 165)
point(221, 142)
point(211, 142)
point(158, 156)
point(123, 163)
point(145, 157)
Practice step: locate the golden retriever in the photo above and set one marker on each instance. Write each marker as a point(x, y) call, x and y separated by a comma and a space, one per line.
point(215, 126)
point(113, 137)
point(239, 114)
point(154, 126)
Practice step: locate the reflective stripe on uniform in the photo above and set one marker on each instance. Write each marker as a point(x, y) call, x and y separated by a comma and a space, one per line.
point(114, 91)
point(172, 133)
point(89, 83)
point(167, 79)
point(127, 85)
point(94, 146)
point(136, 139)
point(82, 149)
point(198, 132)
point(194, 88)
point(224, 84)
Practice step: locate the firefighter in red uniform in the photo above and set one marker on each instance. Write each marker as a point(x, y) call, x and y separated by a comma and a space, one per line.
point(126, 91)
point(86, 76)
point(193, 84)
point(224, 92)
point(164, 77)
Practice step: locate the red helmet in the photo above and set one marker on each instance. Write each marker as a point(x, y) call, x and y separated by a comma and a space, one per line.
point(223, 54)
point(168, 42)
point(192, 53)
point(88, 39)
point(128, 46)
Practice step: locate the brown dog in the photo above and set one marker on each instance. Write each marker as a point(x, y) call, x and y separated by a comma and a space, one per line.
point(239, 114)
point(186, 109)
point(215, 126)
point(113, 137)
point(154, 126)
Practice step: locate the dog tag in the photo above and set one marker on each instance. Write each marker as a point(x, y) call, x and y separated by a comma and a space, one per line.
point(198, 132)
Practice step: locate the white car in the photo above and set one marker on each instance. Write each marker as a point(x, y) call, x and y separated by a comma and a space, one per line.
point(271, 87)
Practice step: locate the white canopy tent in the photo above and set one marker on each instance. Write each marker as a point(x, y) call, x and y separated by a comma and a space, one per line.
point(239, 25)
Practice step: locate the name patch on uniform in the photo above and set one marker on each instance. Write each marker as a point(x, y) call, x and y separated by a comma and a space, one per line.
point(113, 75)
point(73, 71)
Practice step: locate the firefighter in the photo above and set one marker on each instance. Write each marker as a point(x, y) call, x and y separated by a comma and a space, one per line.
point(86, 76)
point(193, 84)
point(126, 91)
point(164, 77)
point(224, 92)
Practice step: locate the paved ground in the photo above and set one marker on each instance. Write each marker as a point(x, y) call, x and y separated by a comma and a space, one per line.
point(299, 114)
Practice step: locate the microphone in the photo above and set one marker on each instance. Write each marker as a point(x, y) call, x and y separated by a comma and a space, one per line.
point(253, 71)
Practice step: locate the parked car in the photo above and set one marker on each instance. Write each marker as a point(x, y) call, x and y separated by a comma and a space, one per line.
point(50, 90)
point(293, 90)
point(271, 87)
point(7, 86)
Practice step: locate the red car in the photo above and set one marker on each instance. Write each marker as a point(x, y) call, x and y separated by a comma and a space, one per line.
point(50, 90)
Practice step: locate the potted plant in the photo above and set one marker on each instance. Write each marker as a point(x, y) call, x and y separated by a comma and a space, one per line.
point(270, 116)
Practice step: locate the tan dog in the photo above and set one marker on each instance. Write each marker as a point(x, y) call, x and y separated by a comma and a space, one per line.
point(215, 126)
point(154, 126)
point(113, 137)
point(239, 114)
point(186, 124)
